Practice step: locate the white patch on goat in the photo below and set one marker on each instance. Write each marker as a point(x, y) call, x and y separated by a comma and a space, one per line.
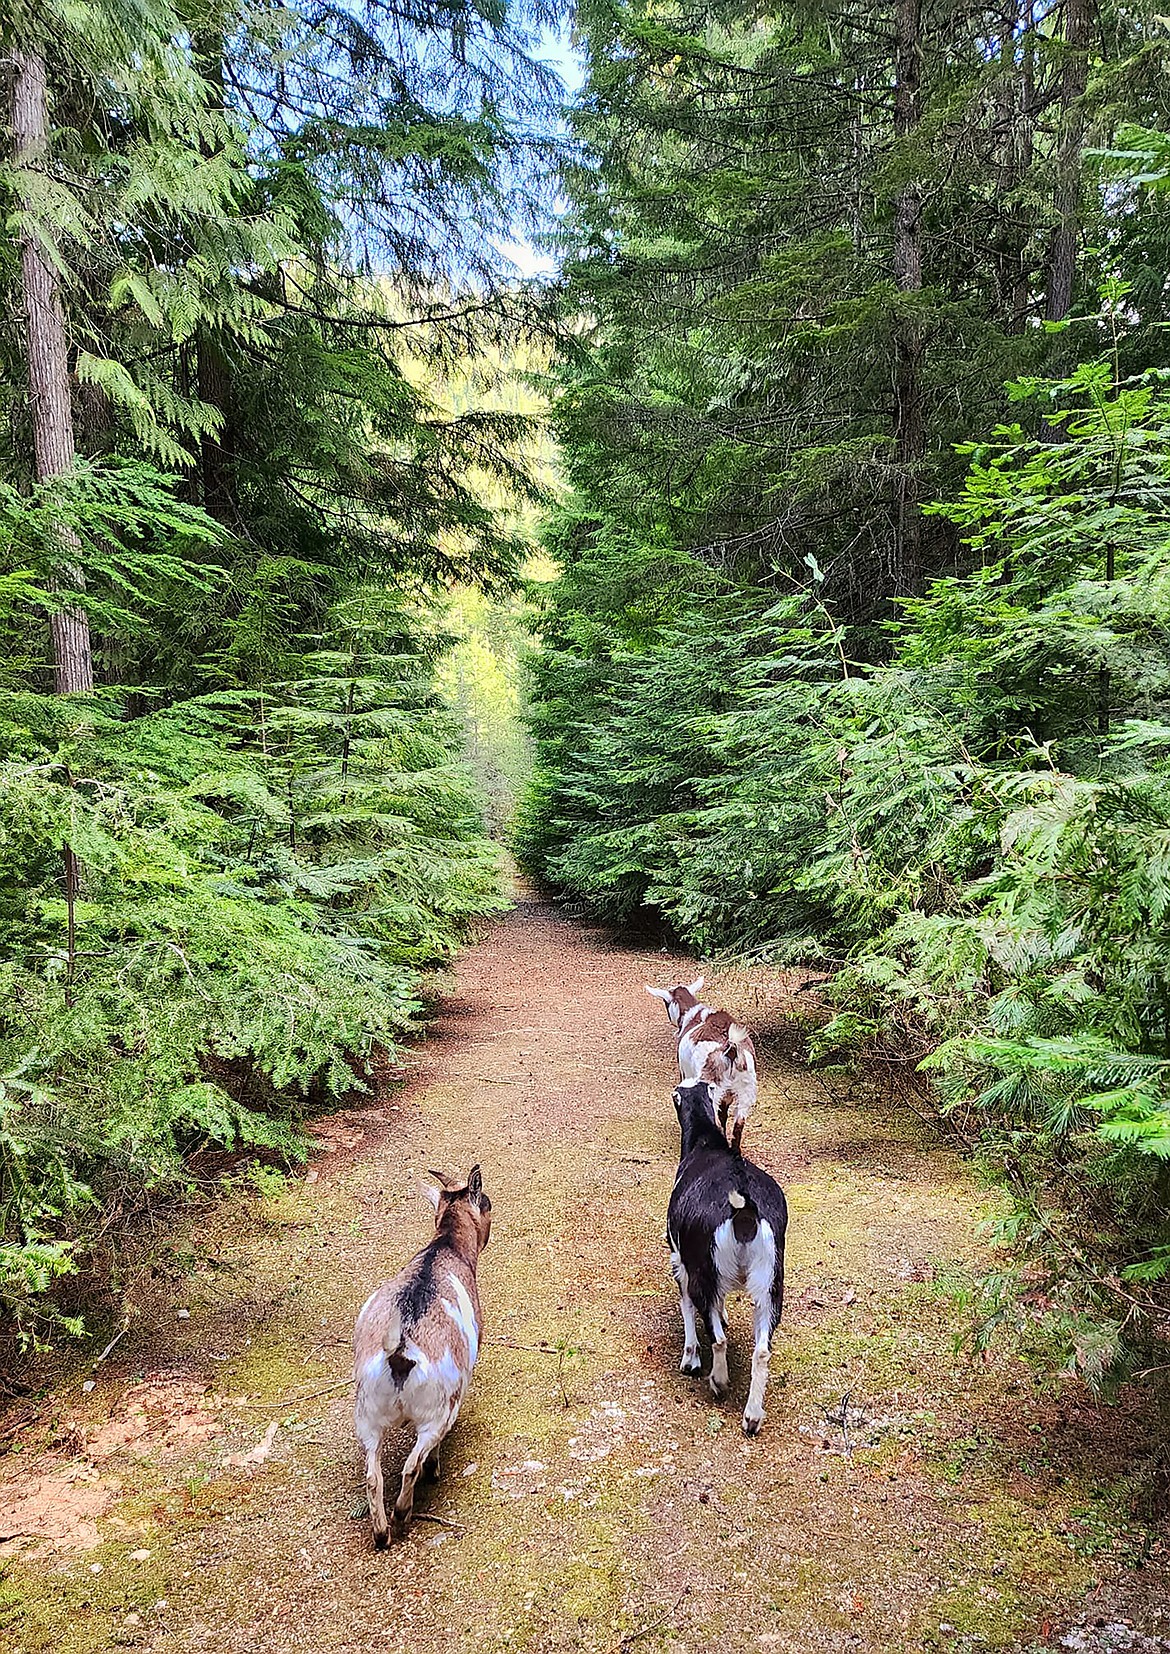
point(463, 1315)
point(374, 1369)
point(727, 1257)
point(422, 1365)
point(746, 1265)
point(761, 1268)
point(447, 1369)
point(379, 1400)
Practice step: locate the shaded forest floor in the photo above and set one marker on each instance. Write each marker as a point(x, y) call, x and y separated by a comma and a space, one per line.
point(199, 1496)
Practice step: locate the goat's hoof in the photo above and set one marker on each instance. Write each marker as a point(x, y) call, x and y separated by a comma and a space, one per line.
point(752, 1423)
point(399, 1525)
point(718, 1390)
point(690, 1364)
point(381, 1539)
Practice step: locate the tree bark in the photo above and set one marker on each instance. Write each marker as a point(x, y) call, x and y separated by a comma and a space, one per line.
point(47, 351)
point(1080, 17)
point(909, 421)
point(1015, 119)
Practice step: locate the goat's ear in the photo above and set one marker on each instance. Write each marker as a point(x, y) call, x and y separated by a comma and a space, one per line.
point(732, 1056)
point(432, 1194)
point(475, 1185)
point(659, 993)
point(696, 986)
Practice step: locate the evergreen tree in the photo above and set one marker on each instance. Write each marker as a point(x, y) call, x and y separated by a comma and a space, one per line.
point(858, 653)
point(237, 231)
point(812, 247)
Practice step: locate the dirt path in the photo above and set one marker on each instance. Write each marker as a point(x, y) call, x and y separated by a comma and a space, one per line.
point(199, 1497)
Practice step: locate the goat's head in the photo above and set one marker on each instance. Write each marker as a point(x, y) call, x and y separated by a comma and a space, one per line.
point(453, 1197)
point(693, 1102)
point(678, 999)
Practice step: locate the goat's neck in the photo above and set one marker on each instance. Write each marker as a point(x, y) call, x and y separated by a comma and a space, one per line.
point(692, 1016)
point(458, 1229)
point(699, 1131)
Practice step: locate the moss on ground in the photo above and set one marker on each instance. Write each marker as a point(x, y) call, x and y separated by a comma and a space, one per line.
point(591, 1493)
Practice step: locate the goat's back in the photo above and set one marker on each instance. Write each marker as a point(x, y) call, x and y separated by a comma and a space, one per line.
point(707, 1179)
point(432, 1304)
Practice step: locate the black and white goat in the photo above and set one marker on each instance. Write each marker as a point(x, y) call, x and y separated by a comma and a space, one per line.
point(415, 1343)
point(725, 1228)
point(713, 1047)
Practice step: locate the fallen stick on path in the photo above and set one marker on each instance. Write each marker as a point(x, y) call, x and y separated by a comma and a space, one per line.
point(654, 1625)
point(490, 1079)
point(308, 1395)
point(539, 1349)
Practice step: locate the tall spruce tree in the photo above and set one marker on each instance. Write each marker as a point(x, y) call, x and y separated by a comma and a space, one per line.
point(812, 246)
point(46, 348)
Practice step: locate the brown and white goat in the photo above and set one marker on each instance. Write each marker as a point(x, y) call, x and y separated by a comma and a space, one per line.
point(415, 1344)
point(713, 1047)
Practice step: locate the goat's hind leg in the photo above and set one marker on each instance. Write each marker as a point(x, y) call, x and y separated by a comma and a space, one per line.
point(429, 1438)
point(753, 1413)
point(691, 1361)
point(769, 1306)
point(371, 1440)
point(719, 1379)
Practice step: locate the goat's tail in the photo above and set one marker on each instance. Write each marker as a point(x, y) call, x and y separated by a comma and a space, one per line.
point(394, 1344)
point(739, 1048)
point(745, 1216)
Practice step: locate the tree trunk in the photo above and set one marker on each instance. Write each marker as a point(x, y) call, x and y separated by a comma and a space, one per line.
point(909, 423)
point(94, 431)
point(1080, 17)
point(1015, 120)
point(1023, 155)
point(47, 352)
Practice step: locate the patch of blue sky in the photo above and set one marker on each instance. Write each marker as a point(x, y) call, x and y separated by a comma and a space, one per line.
point(529, 252)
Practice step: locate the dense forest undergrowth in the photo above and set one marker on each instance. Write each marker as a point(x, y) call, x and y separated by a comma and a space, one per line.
point(259, 421)
point(859, 653)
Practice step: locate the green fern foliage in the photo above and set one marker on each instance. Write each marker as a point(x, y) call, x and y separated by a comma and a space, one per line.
point(975, 831)
point(265, 876)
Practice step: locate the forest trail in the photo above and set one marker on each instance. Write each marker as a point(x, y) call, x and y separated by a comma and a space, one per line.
point(200, 1496)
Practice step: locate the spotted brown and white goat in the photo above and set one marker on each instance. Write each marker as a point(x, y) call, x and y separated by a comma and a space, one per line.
point(415, 1343)
point(715, 1048)
point(725, 1227)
